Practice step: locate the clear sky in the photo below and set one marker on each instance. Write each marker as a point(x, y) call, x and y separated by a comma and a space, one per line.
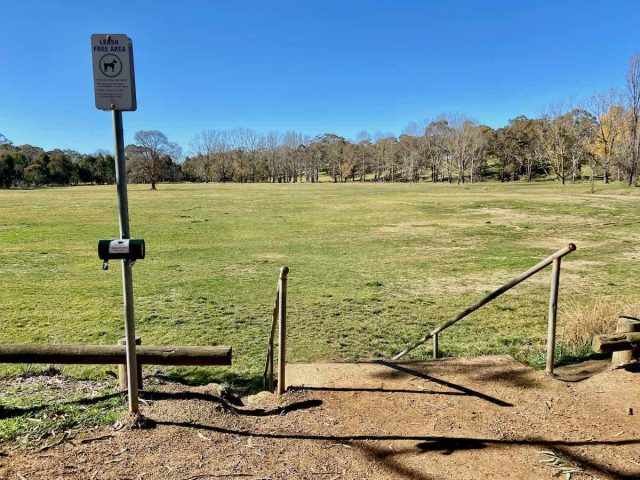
point(312, 66)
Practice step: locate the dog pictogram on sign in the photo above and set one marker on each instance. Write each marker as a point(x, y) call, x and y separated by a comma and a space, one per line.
point(113, 76)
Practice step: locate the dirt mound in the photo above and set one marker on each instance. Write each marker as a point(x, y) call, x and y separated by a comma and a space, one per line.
point(486, 417)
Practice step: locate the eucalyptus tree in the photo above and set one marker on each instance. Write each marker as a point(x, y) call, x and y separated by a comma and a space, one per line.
point(7, 169)
point(518, 146)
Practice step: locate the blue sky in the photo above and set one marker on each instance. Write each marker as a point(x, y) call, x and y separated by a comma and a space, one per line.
point(315, 67)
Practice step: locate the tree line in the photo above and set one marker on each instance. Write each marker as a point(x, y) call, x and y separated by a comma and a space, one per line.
point(27, 165)
point(599, 137)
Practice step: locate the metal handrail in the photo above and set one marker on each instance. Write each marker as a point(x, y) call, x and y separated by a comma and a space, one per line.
point(278, 319)
point(555, 259)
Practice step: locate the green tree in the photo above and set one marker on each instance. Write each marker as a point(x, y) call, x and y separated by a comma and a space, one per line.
point(37, 172)
point(60, 169)
point(7, 169)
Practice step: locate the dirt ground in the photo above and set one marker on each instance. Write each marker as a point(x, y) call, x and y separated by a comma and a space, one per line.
point(464, 418)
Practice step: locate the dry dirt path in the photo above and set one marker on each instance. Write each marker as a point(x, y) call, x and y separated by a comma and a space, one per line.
point(475, 418)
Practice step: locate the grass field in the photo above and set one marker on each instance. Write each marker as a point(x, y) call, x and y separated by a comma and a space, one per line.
point(372, 266)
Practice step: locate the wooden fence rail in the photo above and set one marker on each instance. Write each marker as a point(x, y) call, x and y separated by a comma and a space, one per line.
point(553, 302)
point(114, 354)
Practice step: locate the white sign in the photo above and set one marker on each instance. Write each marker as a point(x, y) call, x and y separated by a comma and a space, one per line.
point(119, 246)
point(113, 77)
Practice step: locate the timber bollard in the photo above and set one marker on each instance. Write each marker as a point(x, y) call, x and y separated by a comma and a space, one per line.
point(122, 369)
point(626, 325)
point(282, 330)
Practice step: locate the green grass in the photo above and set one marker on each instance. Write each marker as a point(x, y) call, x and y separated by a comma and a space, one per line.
point(372, 266)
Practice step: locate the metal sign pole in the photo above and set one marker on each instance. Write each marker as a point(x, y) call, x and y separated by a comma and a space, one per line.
point(127, 279)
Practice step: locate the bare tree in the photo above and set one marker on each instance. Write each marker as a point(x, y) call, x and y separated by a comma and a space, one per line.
point(633, 104)
point(272, 142)
point(555, 132)
point(148, 156)
point(437, 144)
point(466, 143)
point(364, 146)
point(213, 149)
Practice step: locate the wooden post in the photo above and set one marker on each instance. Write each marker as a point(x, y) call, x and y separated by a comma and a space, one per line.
point(495, 294)
point(625, 325)
point(435, 346)
point(268, 368)
point(282, 330)
point(122, 369)
point(553, 311)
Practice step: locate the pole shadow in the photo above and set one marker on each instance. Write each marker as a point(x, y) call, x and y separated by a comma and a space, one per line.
point(444, 383)
point(371, 390)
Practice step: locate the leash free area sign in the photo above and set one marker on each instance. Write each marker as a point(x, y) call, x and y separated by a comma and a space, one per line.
point(113, 75)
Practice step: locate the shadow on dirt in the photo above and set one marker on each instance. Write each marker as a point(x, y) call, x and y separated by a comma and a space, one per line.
point(446, 446)
point(483, 442)
point(431, 444)
point(371, 390)
point(230, 404)
point(196, 376)
point(444, 383)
